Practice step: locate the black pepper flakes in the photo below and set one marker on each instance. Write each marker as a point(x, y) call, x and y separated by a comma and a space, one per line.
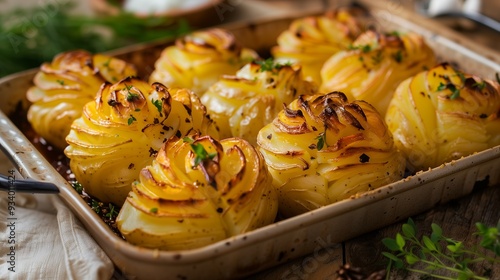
point(364, 158)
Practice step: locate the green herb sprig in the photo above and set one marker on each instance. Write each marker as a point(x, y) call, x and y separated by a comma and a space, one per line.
point(364, 48)
point(31, 36)
point(131, 119)
point(270, 65)
point(438, 253)
point(201, 154)
point(455, 92)
point(321, 141)
point(157, 104)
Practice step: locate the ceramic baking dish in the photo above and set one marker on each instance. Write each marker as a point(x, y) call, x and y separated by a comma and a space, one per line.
point(284, 240)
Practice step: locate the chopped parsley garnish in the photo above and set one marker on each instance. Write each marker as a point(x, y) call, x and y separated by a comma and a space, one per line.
point(398, 56)
point(130, 95)
point(480, 85)
point(200, 153)
point(364, 48)
point(78, 187)
point(455, 91)
point(131, 119)
point(394, 33)
point(95, 206)
point(153, 210)
point(441, 87)
point(460, 75)
point(61, 82)
point(112, 212)
point(157, 104)
point(270, 65)
point(321, 141)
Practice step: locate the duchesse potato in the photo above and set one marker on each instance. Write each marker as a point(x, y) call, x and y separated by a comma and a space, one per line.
point(122, 130)
point(374, 66)
point(63, 86)
point(197, 60)
point(444, 114)
point(196, 192)
point(242, 104)
point(322, 149)
point(311, 40)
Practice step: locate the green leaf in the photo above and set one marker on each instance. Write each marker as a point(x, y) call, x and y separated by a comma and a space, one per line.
point(390, 244)
point(78, 187)
point(455, 247)
point(400, 241)
point(187, 139)
point(201, 154)
point(437, 230)
point(437, 233)
point(131, 119)
point(441, 87)
point(480, 85)
point(153, 210)
point(408, 230)
point(398, 263)
point(157, 104)
point(398, 56)
point(431, 267)
point(321, 141)
point(364, 48)
point(411, 259)
point(270, 65)
point(455, 94)
point(429, 244)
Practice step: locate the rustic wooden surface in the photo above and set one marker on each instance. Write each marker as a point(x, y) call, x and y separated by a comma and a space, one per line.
point(457, 219)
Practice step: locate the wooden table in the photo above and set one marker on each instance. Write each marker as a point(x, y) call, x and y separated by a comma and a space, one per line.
point(457, 219)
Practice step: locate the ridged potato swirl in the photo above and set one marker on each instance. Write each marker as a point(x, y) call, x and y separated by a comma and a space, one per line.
point(310, 41)
point(323, 148)
point(197, 60)
point(374, 66)
point(122, 130)
point(63, 86)
point(242, 104)
point(443, 114)
point(197, 192)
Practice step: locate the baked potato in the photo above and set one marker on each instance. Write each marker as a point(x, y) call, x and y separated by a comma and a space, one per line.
point(197, 60)
point(443, 114)
point(322, 149)
point(63, 86)
point(242, 104)
point(310, 41)
point(196, 192)
point(375, 64)
point(122, 130)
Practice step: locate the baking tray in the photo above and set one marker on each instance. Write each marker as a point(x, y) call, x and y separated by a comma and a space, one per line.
point(282, 241)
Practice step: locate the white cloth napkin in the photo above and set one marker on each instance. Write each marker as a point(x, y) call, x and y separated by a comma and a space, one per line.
point(50, 242)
